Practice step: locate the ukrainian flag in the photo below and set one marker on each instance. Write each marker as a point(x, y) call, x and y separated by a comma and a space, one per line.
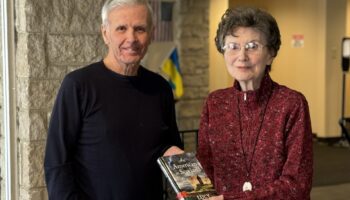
point(171, 68)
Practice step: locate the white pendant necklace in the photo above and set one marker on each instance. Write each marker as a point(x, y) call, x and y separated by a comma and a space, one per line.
point(247, 186)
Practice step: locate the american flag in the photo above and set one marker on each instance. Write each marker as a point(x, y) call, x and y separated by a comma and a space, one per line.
point(163, 20)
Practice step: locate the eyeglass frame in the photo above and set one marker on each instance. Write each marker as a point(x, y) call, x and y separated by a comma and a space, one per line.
point(248, 47)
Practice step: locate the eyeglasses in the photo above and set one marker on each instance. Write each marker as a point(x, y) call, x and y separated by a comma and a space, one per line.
point(249, 47)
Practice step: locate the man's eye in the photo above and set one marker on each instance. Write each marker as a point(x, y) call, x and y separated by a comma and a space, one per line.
point(120, 28)
point(140, 29)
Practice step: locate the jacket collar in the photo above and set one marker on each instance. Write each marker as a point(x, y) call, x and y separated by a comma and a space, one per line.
point(259, 95)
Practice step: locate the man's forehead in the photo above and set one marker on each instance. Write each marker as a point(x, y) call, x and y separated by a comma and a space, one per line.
point(139, 14)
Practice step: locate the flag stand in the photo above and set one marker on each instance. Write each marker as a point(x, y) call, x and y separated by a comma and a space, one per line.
point(344, 120)
point(345, 67)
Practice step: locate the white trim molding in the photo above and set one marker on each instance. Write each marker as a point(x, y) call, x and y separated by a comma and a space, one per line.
point(7, 42)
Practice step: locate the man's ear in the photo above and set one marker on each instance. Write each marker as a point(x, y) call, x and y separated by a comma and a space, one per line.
point(151, 34)
point(104, 30)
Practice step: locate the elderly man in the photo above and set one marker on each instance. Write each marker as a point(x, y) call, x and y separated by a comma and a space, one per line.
point(112, 119)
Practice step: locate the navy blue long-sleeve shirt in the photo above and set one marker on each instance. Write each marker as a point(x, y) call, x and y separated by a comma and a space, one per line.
point(105, 134)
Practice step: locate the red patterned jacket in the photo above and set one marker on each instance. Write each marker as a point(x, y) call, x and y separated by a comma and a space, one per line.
point(277, 159)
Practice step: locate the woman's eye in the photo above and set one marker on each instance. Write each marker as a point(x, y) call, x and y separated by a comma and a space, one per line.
point(252, 46)
point(255, 46)
point(235, 47)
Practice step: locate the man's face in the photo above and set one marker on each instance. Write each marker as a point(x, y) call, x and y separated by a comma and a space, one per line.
point(127, 34)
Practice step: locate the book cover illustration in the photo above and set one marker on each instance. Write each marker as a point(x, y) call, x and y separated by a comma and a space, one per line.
point(186, 176)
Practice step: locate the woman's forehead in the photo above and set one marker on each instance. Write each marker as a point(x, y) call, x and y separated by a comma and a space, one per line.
point(246, 33)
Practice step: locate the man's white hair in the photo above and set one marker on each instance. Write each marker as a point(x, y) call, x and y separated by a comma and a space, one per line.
point(111, 4)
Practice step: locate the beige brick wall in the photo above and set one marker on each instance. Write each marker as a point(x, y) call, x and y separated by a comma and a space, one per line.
point(53, 38)
point(192, 32)
point(57, 36)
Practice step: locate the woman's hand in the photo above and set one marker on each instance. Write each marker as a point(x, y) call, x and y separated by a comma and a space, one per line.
point(172, 151)
point(221, 197)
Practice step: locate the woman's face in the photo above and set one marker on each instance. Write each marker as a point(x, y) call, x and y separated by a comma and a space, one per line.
point(246, 56)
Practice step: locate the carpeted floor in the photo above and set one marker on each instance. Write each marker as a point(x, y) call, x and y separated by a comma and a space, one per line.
point(331, 164)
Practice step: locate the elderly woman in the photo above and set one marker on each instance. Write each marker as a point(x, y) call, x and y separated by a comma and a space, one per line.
point(255, 138)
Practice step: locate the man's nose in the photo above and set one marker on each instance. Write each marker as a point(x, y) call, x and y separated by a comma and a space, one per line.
point(131, 35)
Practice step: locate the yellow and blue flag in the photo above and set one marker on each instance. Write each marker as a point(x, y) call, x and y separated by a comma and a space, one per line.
point(171, 68)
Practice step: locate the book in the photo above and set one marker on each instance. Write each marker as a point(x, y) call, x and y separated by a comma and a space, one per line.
point(186, 176)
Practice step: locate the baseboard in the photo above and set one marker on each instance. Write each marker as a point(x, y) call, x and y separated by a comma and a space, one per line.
point(331, 141)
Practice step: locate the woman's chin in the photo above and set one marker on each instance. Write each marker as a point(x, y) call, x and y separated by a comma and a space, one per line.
point(243, 77)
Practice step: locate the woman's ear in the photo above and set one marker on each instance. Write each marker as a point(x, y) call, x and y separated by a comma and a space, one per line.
point(272, 56)
point(269, 61)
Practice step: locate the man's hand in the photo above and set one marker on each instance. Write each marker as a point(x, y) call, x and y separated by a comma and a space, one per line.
point(221, 197)
point(172, 151)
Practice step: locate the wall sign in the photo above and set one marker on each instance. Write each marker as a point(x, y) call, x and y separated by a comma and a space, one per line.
point(297, 40)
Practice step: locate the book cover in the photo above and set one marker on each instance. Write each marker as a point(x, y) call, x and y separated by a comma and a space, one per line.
point(186, 176)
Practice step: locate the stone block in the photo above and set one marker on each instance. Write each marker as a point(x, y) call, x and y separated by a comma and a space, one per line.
point(56, 72)
point(1, 98)
point(199, 70)
point(194, 46)
point(31, 56)
point(193, 31)
point(31, 159)
point(190, 108)
point(22, 93)
point(35, 14)
point(195, 19)
point(191, 93)
point(22, 65)
point(190, 142)
point(188, 123)
point(189, 6)
point(20, 19)
point(73, 68)
point(33, 194)
point(74, 49)
point(36, 94)
point(60, 16)
point(79, 16)
point(194, 66)
point(32, 125)
point(197, 81)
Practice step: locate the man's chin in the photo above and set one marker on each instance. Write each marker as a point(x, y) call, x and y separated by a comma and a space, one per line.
point(132, 59)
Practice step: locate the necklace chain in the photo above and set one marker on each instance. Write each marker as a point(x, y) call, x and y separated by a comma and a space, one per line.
point(248, 165)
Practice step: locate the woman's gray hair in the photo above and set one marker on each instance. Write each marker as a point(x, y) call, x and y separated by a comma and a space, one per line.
point(249, 17)
point(111, 4)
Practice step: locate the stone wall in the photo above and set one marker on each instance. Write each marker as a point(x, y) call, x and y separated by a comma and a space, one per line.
point(57, 36)
point(53, 38)
point(192, 32)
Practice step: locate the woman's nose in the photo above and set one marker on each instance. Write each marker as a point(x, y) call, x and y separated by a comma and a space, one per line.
point(242, 54)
